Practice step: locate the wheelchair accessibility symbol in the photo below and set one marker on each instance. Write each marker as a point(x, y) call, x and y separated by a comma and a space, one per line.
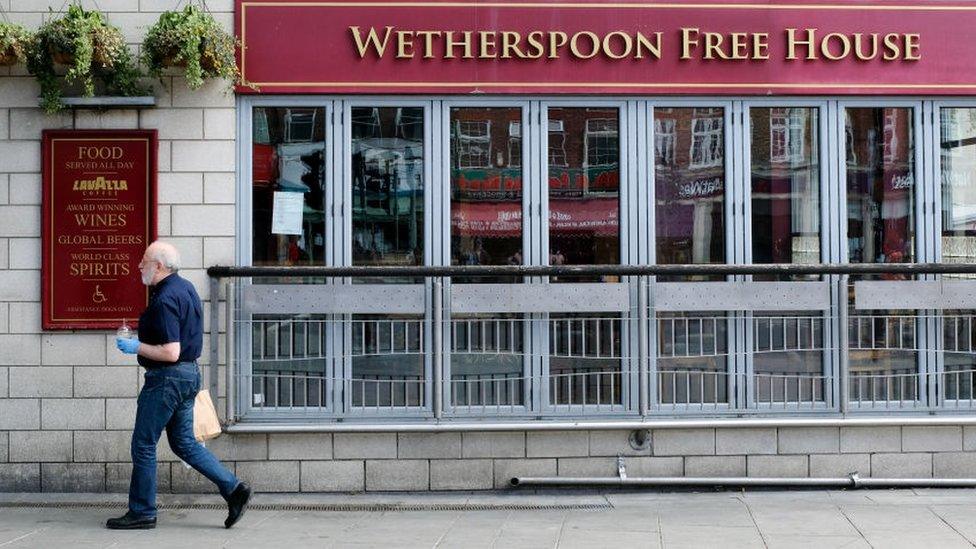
point(98, 296)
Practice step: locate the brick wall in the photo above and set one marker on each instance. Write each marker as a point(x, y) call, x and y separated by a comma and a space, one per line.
point(67, 400)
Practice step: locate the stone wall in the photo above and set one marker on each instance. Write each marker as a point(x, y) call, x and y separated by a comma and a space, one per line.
point(97, 460)
point(67, 400)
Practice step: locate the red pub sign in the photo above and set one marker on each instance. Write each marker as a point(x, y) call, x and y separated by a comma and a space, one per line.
point(99, 203)
point(609, 47)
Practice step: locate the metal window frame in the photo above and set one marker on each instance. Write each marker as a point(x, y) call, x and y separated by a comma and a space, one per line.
point(828, 361)
point(732, 238)
point(925, 358)
point(628, 362)
point(639, 191)
point(932, 122)
point(244, 225)
point(432, 187)
point(526, 131)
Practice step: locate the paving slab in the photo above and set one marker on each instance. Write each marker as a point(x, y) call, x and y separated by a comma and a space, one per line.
point(513, 519)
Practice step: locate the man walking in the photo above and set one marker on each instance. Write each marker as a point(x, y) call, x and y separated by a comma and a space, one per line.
point(170, 341)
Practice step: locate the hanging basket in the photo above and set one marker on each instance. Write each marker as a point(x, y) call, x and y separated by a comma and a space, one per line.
point(170, 61)
point(208, 63)
point(14, 42)
point(100, 56)
point(193, 41)
point(62, 57)
point(8, 57)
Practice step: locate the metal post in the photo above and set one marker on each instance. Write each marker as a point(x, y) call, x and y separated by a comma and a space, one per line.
point(438, 351)
point(643, 360)
point(214, 335)
point(229, 339)
point(843, 381)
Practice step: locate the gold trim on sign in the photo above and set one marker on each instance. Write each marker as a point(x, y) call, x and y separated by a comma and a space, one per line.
point(615, 5)
point(615, 85)
point(657, 85)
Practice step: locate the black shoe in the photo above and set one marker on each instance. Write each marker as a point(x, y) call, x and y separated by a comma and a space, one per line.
point(129, 521)
point(237, 504)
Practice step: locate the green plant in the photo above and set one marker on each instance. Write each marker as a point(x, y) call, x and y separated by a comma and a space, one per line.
point(90, 48)
point(14, 41)
point(194, 40)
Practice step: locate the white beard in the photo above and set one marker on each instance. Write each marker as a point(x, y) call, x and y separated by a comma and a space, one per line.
point(147, 276)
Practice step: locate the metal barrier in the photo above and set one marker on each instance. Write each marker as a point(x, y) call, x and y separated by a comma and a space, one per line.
point(337, 343)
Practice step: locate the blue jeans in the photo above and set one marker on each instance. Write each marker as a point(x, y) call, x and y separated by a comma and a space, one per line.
point(166, 402)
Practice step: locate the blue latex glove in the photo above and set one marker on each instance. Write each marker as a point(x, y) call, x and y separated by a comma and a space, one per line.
point(127, 346)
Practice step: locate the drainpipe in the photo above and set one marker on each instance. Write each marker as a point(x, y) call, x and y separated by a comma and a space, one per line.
point(852, 480)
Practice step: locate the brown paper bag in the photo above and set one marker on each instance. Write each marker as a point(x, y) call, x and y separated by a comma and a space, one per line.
point(206, 424)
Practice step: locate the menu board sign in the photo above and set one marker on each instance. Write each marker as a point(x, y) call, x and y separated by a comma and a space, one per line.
point(99, 214)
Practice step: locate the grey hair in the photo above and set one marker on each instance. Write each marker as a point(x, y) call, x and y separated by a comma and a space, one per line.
point(167, 255)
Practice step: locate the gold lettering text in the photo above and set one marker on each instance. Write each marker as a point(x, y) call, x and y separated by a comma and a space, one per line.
point(653, 48)
point(404, 44)
point(372, 40)
point(792, 42)
point(450, 44)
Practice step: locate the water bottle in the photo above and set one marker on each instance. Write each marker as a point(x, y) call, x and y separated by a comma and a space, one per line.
point(124, 331)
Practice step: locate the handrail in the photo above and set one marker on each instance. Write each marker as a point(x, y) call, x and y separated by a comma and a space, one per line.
point(771, 269)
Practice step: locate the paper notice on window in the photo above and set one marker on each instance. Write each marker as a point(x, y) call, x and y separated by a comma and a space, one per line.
point(286, 217)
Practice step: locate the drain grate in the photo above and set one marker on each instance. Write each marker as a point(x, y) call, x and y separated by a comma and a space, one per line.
point(334, 507)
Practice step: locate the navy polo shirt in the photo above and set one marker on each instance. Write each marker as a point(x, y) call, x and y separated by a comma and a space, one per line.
point(174, 314)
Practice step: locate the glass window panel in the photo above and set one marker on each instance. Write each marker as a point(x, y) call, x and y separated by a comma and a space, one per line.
point(487, 350)
point(287, 162)
point(689, 208)
point(387, 229)
point(689, 195)
point(881, 223)
point(288, 361)
point(958, 156)
point(387, 186)
point(486, 187)
point(785, 179)
point(584, 190)
point(584, 213)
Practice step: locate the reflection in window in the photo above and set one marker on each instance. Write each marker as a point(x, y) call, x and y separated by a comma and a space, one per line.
point(689, 209)
point(689, 202)
point(785, 178)
point(880, 221)
point(958, 155)
point(387, 229)
point(487, 350)
point(880, 185)
point(707, 138)
point(664, 141)
point(486, 199)
point(557, 144)
point(584, 191)
point(584, 213)
point(387, 186)
point(288, 173)
point(514, 144)
point(602, 143)
point(471, 143)
point(787, 133)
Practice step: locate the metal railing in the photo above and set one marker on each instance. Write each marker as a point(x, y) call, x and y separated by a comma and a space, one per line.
point(317, 342)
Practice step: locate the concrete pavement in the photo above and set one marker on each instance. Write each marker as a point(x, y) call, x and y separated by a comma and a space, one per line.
point(942, 518)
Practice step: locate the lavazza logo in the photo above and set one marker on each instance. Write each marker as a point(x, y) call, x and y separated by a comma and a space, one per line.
point(100, 184)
